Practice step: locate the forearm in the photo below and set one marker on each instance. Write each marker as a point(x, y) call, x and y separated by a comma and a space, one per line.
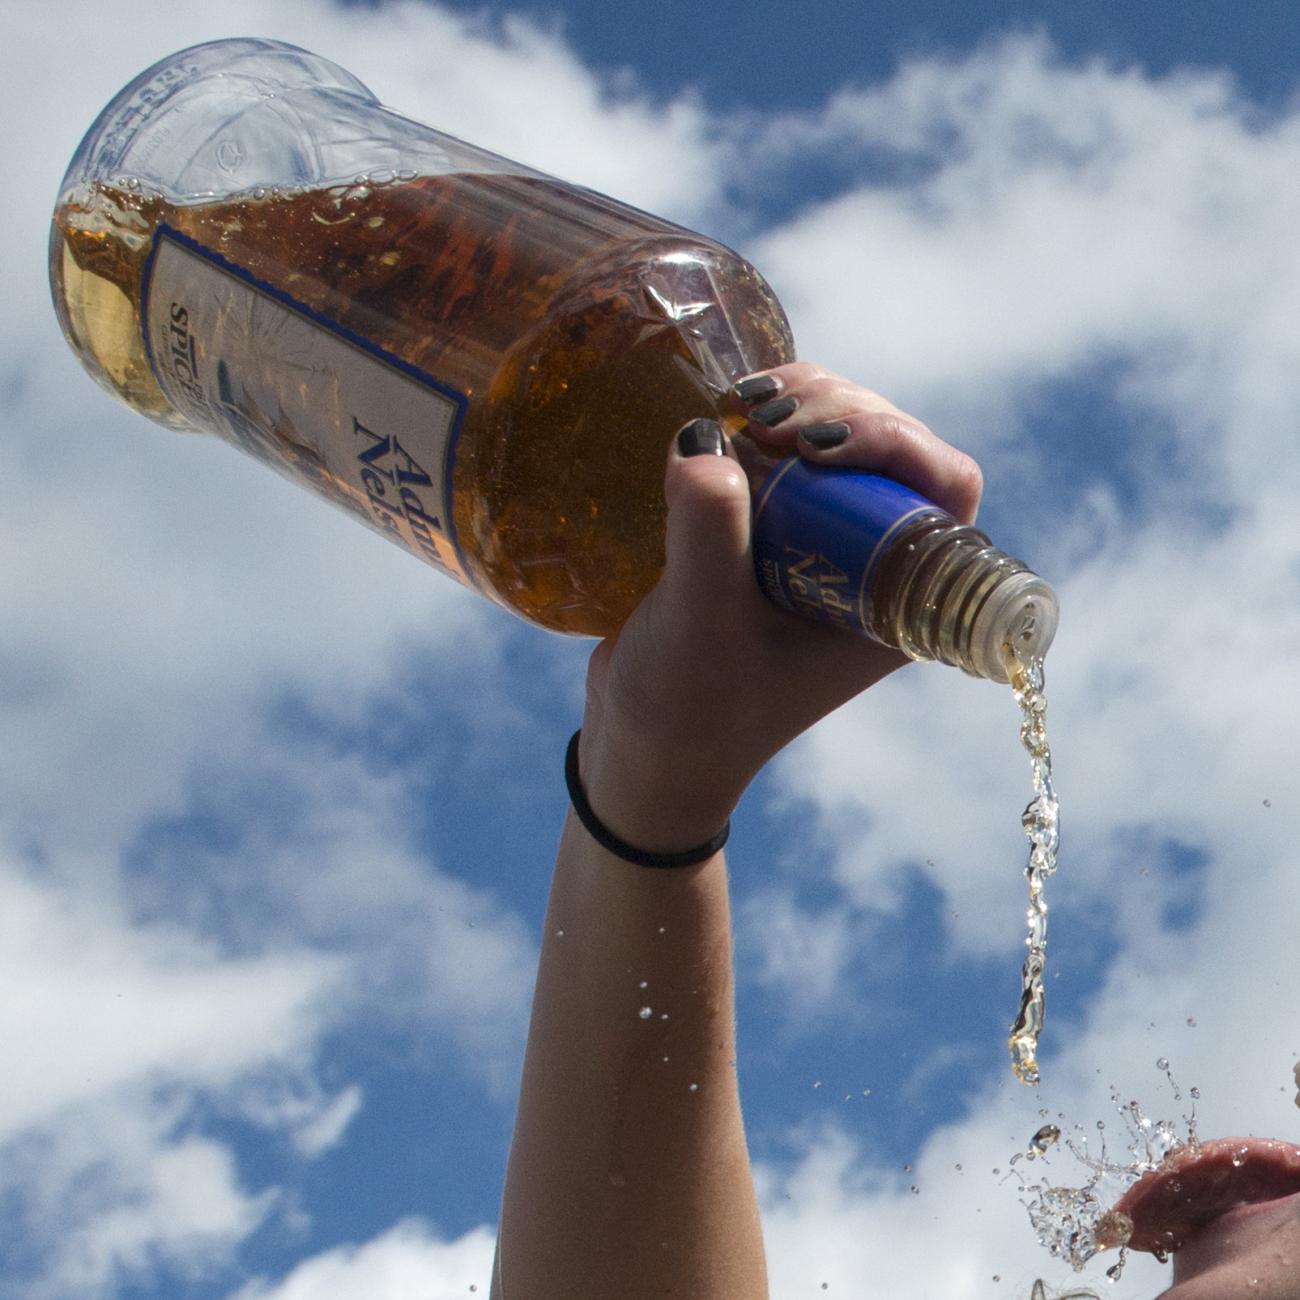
point(628, 1173)
point(629, 1177)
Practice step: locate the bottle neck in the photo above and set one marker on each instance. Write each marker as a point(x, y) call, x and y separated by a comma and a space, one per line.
point(944, 592)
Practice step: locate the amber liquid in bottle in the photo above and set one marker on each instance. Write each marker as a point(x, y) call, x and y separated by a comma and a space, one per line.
point(582, 333)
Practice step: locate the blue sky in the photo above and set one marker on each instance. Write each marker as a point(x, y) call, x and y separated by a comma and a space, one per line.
point(278, 805)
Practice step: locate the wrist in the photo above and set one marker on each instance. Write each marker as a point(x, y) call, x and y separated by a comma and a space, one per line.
point(612, 843)
point(661, 799)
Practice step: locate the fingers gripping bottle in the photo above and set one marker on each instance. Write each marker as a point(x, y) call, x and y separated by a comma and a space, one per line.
point(482, 362)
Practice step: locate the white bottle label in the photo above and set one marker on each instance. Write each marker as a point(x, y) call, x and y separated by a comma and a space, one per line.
point(322, 405)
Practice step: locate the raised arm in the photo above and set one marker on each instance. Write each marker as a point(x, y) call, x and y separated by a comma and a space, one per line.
point(629, 1176)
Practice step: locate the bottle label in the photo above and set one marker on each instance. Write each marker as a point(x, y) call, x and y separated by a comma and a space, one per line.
point(819, 535)
point(319, 403)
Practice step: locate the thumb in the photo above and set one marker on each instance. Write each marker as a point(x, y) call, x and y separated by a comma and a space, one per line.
point(708, 516)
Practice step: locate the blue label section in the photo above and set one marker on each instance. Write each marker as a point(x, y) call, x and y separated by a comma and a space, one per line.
point(819, 534)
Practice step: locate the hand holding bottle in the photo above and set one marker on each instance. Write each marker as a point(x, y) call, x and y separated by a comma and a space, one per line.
point(504, 357)
point(708, 680)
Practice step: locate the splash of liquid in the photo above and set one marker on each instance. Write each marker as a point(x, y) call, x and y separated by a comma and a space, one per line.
point(1074, 1223)
point(1041, 821)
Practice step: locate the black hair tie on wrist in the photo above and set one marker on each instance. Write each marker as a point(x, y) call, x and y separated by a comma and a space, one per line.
point(620, 848)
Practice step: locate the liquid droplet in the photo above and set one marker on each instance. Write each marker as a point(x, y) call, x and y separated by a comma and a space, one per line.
point(1046, 1138)
point(645, 1013)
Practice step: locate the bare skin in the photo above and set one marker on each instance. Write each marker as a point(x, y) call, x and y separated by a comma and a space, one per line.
point(1228, 1211)
point(1248, 1254)
point(629, 1175)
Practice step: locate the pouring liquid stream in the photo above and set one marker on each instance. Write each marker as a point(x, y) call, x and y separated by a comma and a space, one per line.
point(1041, 821)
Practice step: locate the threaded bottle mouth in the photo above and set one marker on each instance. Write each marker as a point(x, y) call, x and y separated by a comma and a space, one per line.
point(946, 593)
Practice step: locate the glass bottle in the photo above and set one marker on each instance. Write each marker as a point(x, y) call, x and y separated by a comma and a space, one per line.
point(482, 362)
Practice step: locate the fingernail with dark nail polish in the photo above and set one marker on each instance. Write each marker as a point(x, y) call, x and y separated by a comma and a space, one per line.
point(825, 436)
point(775, 411)
point(701, 438)
point(757, 388)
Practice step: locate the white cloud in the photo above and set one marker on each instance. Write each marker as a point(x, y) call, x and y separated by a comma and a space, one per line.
point(802, 952)
point(125, 1023)
point(483, 80)
point(297, 1104)
point(1063, 211)
point(408, 1262)
point(337, 867)
point(93, 1002)
point(185, 1205)
point(115, 1187)
point(111, 1029)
